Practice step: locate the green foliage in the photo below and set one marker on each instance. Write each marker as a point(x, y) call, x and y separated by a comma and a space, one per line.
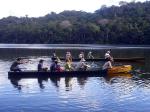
point(128, 23)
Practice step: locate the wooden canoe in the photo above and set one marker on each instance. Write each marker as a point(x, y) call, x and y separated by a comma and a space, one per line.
point(120, 69)
point(97, 73)
point(133, 59)
point(34, 74)
point(127, 75)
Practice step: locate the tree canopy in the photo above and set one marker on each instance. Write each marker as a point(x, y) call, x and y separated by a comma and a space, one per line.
point(128, 23)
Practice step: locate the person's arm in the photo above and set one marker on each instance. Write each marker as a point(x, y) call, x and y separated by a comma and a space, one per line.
point(110, 65)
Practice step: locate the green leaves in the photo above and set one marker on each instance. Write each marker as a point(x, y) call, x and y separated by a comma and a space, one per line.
point(128, 23)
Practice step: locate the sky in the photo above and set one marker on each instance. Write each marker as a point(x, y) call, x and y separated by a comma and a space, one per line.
point(36, 8)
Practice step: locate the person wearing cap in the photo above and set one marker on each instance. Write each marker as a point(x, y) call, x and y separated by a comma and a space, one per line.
point(15, 65)
point(108, 56)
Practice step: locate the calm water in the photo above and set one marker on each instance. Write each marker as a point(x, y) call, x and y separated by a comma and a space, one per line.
point(116, 94)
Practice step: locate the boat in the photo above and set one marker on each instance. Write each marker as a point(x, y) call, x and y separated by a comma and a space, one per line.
point(120, 69)
point(132, 59)
point(94, 73)
point(36, 74)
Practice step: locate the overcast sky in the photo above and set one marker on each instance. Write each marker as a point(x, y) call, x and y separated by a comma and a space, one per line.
point(35, 8)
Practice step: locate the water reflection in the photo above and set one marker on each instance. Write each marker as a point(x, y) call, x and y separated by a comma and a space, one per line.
point(93, 94)
point(113, 93)
point(40, 82)
point(18, 82)
point(124, 75)
point(82, 81)
point(15, 83)
point(66, 81)
point(55, 81)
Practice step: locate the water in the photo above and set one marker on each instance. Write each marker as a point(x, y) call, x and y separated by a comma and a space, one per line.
point(89, 94)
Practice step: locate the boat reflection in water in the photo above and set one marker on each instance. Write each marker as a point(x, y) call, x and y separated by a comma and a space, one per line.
point(82, 81)
point(58, 82)
point(40, 82)
point(125, 75)
point(15, 83)
point(55, 81)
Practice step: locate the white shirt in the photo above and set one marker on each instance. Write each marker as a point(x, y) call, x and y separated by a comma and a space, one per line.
point(107, 55)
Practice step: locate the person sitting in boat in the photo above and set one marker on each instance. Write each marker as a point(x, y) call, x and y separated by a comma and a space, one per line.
point(58, 67)
point(68, 56)
point(55, 57)
point(82, 66)
point(107, 55)
point(107, 64)
point(68, 66)
point(81, 55)
point(40, 66)
point(55, 67)
point(90, 56)
point(15, 65)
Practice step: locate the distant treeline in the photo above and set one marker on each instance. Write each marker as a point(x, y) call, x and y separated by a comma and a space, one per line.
point(128, 23)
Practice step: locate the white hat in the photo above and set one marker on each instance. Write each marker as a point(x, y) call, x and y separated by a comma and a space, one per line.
point(108, 51)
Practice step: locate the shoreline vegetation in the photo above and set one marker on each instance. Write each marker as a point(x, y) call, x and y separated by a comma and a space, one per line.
point(128, 23)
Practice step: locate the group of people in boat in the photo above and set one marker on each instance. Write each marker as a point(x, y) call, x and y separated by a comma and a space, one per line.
point(68, 66)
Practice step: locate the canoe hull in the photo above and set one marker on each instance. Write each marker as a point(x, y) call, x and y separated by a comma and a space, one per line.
point(35, 74)
point(98, 73)
point(120, 69)
point(133, 59)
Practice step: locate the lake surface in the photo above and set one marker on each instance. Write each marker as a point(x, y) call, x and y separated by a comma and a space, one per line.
point(89, 94)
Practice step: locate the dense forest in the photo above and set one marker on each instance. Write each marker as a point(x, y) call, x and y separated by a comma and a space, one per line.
point(128, 23)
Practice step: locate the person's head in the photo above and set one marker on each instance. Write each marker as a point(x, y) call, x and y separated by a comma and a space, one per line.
point(90, 52)
point(41, 61)
point(18, 59)
point(108, 52)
